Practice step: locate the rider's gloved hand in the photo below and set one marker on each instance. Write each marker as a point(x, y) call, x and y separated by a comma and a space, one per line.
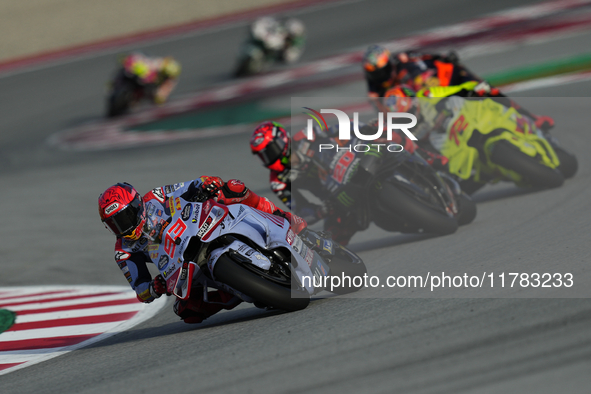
point(211, 185)
point(482, 89)
point(158, 286)
point(435, 160)
point(297, 223)
point(544, 123)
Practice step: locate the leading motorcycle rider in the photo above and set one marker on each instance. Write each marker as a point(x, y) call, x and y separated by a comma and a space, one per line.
point(139, 223)
point(384, 71)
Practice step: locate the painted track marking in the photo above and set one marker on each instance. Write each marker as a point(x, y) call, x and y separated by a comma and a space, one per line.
point(54, 320)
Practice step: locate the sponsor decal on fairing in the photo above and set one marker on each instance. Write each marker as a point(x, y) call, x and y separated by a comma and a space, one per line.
point(163, 262)
point(289, 237)
point(204, 227)
point(186, 213)
point(196, 214)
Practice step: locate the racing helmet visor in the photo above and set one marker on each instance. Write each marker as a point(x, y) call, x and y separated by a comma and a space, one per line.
point(380, 74)
point(126, 220)
point(272, 152)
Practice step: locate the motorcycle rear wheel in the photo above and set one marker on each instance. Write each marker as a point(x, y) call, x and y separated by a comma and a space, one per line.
point(533, 172)
point(119, 101)
point(263, 291)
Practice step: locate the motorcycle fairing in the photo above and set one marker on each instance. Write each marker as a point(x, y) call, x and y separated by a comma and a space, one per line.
point(488, 117)
point(309, 262)
point(211, 220)
point(182, 287)
point(244, 250)
point(267, 231)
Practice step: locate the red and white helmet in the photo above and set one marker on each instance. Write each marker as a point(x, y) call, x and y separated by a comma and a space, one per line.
point(270, 142)
point(122, 211)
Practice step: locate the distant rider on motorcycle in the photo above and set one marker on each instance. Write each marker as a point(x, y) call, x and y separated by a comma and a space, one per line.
point(139, 223)
point(437, 109)
point(158, 74)
point(384, 71)
point(286, 38)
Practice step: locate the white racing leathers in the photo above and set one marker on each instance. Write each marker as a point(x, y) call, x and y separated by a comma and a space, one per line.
point(173, 219)
point(132, 256)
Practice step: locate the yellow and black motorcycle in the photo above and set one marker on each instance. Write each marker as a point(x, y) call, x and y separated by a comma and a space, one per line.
point(486, 141)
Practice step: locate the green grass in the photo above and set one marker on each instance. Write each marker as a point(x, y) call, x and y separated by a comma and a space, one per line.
point(6, 319)
point(561, 66)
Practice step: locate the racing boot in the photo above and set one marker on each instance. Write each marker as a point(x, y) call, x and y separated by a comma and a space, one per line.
point(341, 229)
point(194, 311)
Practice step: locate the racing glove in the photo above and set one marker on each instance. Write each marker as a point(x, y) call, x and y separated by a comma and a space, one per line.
point(297, 223)
point(158, 286)
point(211, 185)
point(544, 123)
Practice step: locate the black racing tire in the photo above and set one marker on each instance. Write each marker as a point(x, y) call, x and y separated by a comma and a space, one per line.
point(470, 186)
point(242, 70)
point(119, 101)
point(346, 264)
point(533, 172)
point(467, 209)
point(261, 290)
point(568, 162)
point(392, 199)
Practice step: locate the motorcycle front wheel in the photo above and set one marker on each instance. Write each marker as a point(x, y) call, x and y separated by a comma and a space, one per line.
point(568, 162)
point(255, 286)
point(416, 215)
point(120, 99)
point(534, 173)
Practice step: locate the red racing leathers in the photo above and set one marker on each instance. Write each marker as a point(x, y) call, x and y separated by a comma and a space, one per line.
point(133, 256)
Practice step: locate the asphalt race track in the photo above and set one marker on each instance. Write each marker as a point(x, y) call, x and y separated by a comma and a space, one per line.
point(51, 234)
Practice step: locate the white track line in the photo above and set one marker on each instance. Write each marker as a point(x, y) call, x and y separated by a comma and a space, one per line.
point(79, 313)
point(78, 301)
point(43, 297)
point(547, 82)
point(54, 332)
